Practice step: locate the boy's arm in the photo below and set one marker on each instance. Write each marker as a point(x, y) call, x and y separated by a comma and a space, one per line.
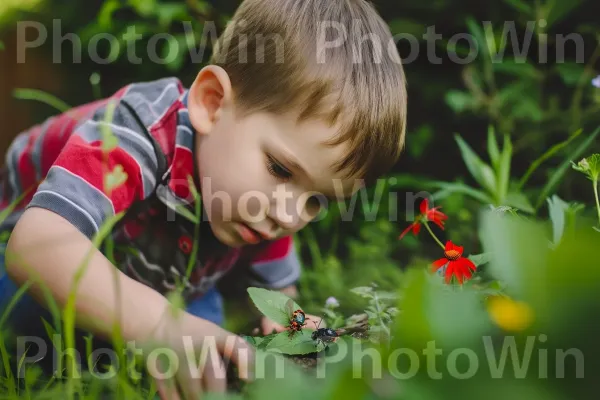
point(46, 248)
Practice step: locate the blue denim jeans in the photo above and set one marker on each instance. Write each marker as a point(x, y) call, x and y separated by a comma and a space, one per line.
point(25, 316)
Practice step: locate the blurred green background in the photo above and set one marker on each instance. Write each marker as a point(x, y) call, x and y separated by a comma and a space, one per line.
point(536, 101)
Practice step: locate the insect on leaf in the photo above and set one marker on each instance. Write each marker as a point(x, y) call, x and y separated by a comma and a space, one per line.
point(272, 304)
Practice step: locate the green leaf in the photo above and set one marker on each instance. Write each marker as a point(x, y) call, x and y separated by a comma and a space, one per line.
point(479, 259)
point(272, 304)
point(457, 187)
point(517, 69)
point(563, 217)
point(552, 151)
point(493, 150)
point(503, 170)
point(520, 6)
point(459, 101)
point(104, 16)
point(407, 26)
point(481, 172)
point(300, 343)
point(480, 37)
point(556, 209)
point(519, 201)
point(363, 291)
point(1, 45)
point(562, 169)
point(518, 250)
point(589, 166)
point(559, 9)
point(146, 7)
point(572, 73)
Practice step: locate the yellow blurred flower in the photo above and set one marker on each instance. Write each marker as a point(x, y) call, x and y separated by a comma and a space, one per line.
point(509, 314)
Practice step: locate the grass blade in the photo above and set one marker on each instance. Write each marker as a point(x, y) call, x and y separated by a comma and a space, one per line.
point(34, 94)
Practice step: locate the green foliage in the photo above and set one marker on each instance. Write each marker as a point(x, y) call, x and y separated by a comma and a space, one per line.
point(272, 304)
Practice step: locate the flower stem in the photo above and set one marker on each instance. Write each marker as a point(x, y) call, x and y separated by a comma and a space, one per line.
point(433, 235)
point(596, 197)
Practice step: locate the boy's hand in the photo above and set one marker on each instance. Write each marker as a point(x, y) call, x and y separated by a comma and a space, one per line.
point(200, 347)
point(269, 326)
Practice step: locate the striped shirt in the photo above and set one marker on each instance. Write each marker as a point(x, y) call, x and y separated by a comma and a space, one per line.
point(62, 165)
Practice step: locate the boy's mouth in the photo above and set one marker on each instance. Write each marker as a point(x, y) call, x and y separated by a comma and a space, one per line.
point(248, 234)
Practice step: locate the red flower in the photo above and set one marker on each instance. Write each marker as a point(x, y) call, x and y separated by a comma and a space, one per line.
point(455, 263)
point(429, 214)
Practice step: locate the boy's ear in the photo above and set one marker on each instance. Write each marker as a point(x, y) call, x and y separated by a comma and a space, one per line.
point(208, 95)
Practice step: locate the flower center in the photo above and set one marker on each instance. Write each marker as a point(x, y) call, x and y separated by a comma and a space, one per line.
point(452, 255)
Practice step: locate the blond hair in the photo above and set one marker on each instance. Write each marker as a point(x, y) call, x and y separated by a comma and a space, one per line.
point(274, 52)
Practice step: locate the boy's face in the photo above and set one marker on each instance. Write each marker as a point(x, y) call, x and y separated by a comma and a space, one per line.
point(263, 176)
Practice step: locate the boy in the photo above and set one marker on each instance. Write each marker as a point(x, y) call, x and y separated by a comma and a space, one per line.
point(300, 100)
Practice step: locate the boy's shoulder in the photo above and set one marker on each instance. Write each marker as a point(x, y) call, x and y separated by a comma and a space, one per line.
point(152, 99)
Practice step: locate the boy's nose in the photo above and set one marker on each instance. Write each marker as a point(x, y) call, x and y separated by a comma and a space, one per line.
point(294, 213)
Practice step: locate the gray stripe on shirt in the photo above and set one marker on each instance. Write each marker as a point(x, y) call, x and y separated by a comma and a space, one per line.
point(279, 273)
point(94, 204)
point(56, 203)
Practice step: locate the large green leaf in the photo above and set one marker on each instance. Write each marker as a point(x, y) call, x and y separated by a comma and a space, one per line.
point(272, 304)
point(481, 172)
point(518, 250)
point(300, 343)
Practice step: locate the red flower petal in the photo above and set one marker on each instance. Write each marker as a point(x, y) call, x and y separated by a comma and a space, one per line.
point(452, 246)
point(424, 207)
point(449, 271)
point(437, 264)
point(415, 227)
point(466, 264)
point(438, 223)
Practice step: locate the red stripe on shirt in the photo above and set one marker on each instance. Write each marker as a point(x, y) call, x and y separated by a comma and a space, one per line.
point(274, 251)
point(181, 172)
point(86, 160)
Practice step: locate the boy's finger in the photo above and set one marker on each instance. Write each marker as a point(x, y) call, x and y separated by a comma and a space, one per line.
point(215, 376)
point(240, 352)
point(191, 387)
point(167, 389)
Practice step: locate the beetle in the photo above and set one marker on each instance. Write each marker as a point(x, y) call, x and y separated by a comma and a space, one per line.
point(297, 318)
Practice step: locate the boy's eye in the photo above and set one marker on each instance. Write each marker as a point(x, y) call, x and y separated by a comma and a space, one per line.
point(277, 170)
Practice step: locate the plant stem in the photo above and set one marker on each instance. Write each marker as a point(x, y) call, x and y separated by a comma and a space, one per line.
point(596, 197)
point(433, 235)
